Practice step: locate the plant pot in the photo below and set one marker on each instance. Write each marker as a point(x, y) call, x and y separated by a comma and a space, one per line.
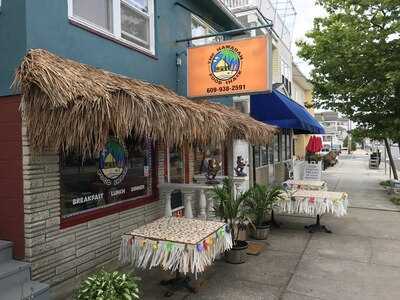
point(238, 254)
point(260, 232)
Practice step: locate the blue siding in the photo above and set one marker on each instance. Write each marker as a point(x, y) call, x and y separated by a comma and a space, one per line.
point(12, 41)
point(48, 27)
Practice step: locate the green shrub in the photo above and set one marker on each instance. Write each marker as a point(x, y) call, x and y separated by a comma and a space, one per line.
point(109, 286)
point(385, 183)
point(396, 200)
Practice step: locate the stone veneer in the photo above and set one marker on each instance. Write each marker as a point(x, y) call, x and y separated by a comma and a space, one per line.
point(58, 254)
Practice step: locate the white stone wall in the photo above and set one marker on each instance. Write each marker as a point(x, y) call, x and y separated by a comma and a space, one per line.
point(58, 254)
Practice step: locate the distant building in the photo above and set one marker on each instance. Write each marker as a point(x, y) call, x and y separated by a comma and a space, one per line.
point(336, 127)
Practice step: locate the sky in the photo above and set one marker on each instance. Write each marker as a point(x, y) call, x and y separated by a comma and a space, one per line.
point(306, 12)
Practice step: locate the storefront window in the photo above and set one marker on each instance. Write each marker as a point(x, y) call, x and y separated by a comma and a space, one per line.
point(289, 144)
point(257, 156)
point(176, 166)
point(271, 153)
point(121, 171)
point(283, 145)
point(264, 155)
point(277, 147)
point(203, 155)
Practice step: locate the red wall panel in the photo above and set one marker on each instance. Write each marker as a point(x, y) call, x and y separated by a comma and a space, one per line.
point(11, 180)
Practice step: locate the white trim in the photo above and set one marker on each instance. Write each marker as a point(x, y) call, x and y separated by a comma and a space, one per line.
point(116, 24)
point(116, 18)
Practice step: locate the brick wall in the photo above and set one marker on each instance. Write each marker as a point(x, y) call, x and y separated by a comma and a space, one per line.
point(58, 254)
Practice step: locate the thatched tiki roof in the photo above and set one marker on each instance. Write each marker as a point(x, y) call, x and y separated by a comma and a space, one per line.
point(72, 106)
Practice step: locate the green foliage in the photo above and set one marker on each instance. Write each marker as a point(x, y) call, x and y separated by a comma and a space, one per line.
point(385, 183)
point(229, 207)
point(260, 202)
point(346, 143)
point(355, 51)
point(395, 200)
point(109, 286)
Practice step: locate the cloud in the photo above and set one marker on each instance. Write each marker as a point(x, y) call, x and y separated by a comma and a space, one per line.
point(306, 10)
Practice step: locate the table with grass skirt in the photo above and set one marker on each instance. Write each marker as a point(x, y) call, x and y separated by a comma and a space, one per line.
point(307, 198)
point(314, 203)
point(180, 245)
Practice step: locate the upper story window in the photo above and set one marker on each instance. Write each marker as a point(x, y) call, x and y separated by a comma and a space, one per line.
point(129, 21)
point(199, 28)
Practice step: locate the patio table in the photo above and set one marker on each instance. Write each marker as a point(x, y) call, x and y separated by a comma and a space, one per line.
point(179, 245)
point(314, 203)
point(305, 185)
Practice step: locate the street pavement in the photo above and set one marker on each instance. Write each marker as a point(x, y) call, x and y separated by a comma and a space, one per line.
point(359, 260)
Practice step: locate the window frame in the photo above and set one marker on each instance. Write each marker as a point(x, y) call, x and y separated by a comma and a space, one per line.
point(69, 221)
point(116, 34)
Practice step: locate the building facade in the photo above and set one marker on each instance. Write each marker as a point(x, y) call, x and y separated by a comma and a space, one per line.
point(268, 162)
point(336, 128)
point(302, 94)
point(61, 230)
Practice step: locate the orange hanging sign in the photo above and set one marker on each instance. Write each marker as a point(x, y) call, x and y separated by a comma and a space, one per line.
point(229, 68)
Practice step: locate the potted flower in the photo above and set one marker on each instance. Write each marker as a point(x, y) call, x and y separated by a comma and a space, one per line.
point(229, 207)
point(109, 285)
point(258, 205)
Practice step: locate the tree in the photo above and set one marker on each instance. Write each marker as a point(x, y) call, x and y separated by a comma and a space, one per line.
point(346, 143)
point(355, 51)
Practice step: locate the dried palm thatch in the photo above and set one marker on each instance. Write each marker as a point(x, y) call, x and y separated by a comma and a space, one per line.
point(242, 126)
point(71, 106)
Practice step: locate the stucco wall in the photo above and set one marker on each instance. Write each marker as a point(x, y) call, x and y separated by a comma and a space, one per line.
point(25, 25)
point(11, 204)
point(57, 254)
point(12, 41)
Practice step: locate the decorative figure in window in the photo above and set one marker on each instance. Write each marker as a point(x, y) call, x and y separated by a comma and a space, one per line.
point(240, 165)
point(213, 168)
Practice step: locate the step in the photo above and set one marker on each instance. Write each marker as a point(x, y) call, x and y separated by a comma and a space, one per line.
point(29, 290)
point(13, 272)
point(6, 249)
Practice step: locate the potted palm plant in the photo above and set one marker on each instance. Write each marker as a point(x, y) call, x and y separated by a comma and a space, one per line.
point(229, 207)
point(258, 205)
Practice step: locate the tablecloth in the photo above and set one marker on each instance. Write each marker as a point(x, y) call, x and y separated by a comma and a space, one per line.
point(311, 202)
point(176, 244)
point(305, 185)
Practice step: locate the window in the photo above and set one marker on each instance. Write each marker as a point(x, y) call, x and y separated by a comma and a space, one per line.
point(129, 21)
point(283, 145)
point(203, 155)
point(264, 155)
point(199, 28)
point(289, 137)
point(98, 12)
point(257, 156)
point(277, 148)
point(121, 171)
point(176, 165)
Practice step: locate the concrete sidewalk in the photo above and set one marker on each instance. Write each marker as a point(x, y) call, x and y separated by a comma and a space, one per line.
point(359, 260)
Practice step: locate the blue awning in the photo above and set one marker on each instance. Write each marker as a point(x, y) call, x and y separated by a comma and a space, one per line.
point(277, 109)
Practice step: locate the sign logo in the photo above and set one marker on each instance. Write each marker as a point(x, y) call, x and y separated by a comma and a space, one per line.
point(229, 68)
point(225, 64)
point(113, 164)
